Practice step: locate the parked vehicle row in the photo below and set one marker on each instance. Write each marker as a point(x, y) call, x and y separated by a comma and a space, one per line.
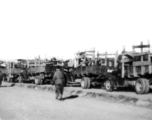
point(110, 71)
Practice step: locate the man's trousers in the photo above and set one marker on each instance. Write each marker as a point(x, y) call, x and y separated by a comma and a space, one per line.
point(59, 91)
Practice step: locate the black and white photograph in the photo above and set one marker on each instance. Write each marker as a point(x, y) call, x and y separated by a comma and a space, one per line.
point(75, 59)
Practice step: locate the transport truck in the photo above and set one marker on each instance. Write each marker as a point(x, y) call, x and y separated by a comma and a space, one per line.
point(128, 69)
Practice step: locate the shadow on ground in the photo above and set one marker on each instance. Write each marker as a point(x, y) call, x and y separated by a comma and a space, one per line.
point(71, 97)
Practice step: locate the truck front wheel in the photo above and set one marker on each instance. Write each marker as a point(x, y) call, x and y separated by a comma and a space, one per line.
point(140, 86)
point(108, 85)
point(84, 83)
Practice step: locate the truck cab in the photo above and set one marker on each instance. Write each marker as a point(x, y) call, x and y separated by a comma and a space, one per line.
point(134, 69)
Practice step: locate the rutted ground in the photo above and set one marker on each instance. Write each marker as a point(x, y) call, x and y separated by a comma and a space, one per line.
point(27, 104)
point(129, 97)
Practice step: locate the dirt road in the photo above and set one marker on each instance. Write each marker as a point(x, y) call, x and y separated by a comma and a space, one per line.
point(27, 104)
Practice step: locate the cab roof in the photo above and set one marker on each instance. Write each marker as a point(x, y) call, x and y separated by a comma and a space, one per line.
point(133, 54)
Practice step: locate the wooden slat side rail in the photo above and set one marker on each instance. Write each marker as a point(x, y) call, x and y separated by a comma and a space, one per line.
point(141, 63)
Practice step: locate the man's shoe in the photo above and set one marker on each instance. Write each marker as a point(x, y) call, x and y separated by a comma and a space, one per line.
point(61, 99)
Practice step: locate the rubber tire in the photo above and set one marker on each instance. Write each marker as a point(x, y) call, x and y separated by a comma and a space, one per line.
point(41, 81)
point(143, 86)
point(109, 89)
point(147, 88)
point(20, 80)
point(36, 81)
point(89, 83)
point(84, 83)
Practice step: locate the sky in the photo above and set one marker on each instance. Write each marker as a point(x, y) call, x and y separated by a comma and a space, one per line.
point(60, 28)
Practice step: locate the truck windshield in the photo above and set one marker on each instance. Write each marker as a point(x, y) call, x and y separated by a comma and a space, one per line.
point(137, 58)
point(145, 57)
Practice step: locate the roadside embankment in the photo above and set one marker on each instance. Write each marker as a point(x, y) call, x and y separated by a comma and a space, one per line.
point(125, 97)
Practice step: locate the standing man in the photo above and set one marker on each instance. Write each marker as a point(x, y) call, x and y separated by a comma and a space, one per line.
point(58, 80)
point(1, 78)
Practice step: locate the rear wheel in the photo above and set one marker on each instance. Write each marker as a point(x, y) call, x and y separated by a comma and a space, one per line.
point(89, 83)
point(140, 86)
point(41, 82)
point(84, 83)
point(37, 82)
point(147, 88)
point(20, 79)
point(108, 85)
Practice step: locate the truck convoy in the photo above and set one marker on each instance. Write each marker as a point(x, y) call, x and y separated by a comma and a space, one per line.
point(37, 74)
point(110, 71)
point(124, 70)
